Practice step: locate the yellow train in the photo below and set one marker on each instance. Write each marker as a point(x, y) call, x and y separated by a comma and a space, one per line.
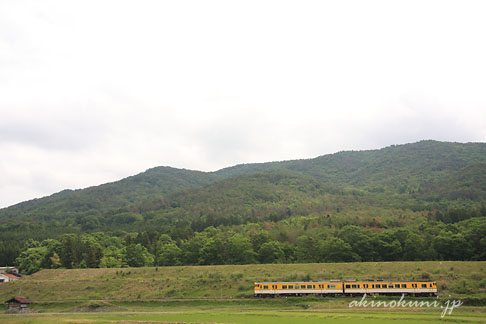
point(337, 287)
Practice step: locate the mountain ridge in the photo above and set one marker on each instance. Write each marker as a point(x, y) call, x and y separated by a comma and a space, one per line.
point(342, 164)
point(427, 184)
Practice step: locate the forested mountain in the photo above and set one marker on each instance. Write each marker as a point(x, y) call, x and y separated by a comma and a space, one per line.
point(413, 186)
point(94, 201)
point(394, 169)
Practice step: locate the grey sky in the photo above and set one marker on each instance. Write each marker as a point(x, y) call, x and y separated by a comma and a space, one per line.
point(94, 91)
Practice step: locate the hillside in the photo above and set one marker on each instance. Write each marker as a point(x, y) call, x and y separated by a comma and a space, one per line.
point(153, 183)
point(380, 190)
point(421, 170)
point(395, 169)
point(457, 278)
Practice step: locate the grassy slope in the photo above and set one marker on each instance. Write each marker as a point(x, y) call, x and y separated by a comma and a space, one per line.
point(456, 278)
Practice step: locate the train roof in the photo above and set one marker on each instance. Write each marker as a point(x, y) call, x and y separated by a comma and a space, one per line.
point(333, 281)
point(295, 282)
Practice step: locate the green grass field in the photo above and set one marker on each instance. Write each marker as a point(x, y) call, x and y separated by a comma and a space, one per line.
point(279, 311)
point(233, 281)
point(223, 294)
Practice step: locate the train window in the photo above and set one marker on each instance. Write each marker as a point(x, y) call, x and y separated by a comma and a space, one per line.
point(313, 286)
point(291, 286)
point(348, 286)
point(378, 286)
point(373, 286)
point(332, 286)
point(390, 286)
point(284, 287)
point(265, 287)
point(424, 285)
point(297, 286)
point(383, 286)
point(309, 286)
point(430, 285)
point(353, 286)
point(404, 285)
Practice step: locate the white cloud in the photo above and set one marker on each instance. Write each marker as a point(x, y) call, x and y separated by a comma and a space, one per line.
point(94, 91)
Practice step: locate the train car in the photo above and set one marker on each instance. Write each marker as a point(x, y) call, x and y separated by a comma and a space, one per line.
point(350, 288)
point(323, 288)
point(390, 287)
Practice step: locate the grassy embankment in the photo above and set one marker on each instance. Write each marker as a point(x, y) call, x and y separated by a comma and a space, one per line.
point(149, 295)
point(454, 278)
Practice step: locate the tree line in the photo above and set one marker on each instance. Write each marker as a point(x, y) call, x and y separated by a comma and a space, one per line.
point(287, 241)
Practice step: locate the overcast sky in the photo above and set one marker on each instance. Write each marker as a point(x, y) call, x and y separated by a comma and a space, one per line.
point(94, 91)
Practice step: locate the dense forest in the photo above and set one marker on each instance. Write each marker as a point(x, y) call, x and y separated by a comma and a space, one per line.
point(420, 201)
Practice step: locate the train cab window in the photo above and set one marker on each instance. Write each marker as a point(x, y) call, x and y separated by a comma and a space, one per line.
point(284, 287)
point(424, 285)
point(348, 286)
point(404, 285)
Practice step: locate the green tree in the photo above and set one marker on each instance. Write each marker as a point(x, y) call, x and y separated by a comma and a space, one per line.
point(305, 249)
point(240, 250)
point(362, 242)
point(213, 251)
point(452, 246)
point(51, 259)
point(71, 252)
point(333, 249)
point(30, 259)
point(168, 253)
point(138, 256)
point(271, 252)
